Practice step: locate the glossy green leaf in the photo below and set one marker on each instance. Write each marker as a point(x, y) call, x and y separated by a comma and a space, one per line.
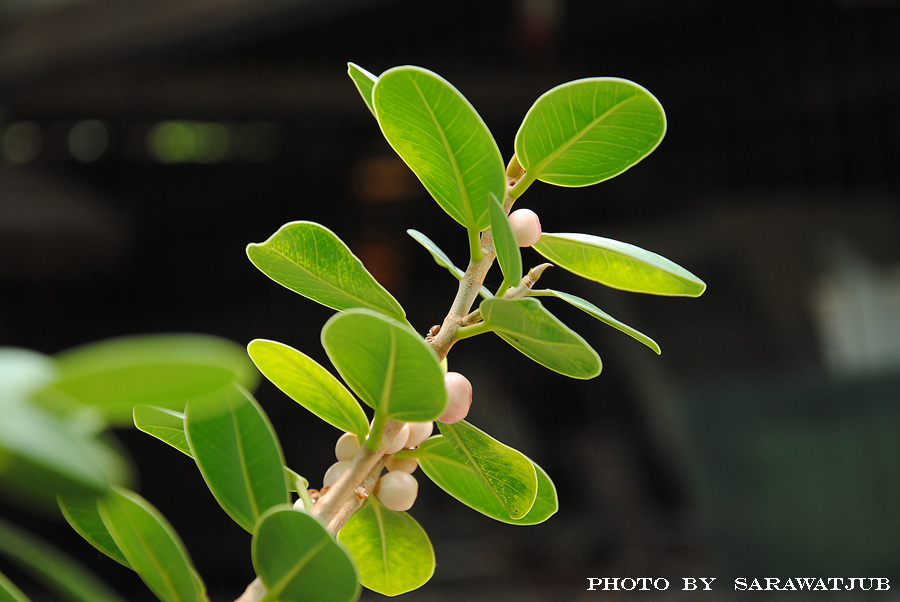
point(392, 552)
point(589, 130)
point(22, 372)
point(527, 326)
point(457, 476)
point(67, 578)
point(9, 592)
point(83, 515)
point(364, 82)
point(161, 370)
point(508, 254)
point(443, 140)
point(593, 310)
point(151, 546)
point(165, 425)
point(619, 265)
point(311, 260)
point(310, 385)
point(505, 472)
point(442, 259)
point(389, 366)
point(238, 454)
point(298, 560)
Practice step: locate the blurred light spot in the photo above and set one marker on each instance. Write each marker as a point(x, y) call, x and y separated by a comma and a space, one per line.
point(257, 141)
point(189, 142)
point(88, 140)
point(22, 141)
point(383, 179)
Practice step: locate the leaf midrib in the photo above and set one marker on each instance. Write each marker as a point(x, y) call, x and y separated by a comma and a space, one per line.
point(477, 468)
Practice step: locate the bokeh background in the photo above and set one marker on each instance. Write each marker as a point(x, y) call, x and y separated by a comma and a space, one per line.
point(144, 144)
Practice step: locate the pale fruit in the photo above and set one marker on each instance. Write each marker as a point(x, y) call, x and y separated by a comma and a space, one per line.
point(418, 432)
point(459, 397)
point(334, 472)
point(526, 226)
point(397, 490)
point(346, 447)
point(408, 465)
point(398, 442)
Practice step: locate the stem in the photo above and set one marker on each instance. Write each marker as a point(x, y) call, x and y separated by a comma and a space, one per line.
point(521, 186)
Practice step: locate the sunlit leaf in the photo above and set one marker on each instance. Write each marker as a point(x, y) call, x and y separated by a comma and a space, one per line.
point(387, 365)
point(457, 476)
point(441, 258)
point(364, 82)
point(9, 592)
point(83, 515)
point(527, 326)
point(619, 265)
point(508, 254)
point(505, 472)
point(392, 552)
point(61, 574)
point(152, 547)
point(443, 140)
point(165, 425)
point(311, 260)
point(589, 130)
point(310, 385)
point(22, 372)
point(298, 560)
point(160, 370)
point(593, 310)
point(238, 454)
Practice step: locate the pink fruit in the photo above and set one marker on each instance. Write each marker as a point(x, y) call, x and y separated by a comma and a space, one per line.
point(459, 397)
point(526, 226)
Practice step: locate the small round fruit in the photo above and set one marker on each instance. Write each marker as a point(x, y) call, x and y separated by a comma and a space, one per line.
point(459, 397)
point(300, 505)
point(334, 472)
point(408, 465)
point(346, 447)
point(398, 442)
point(418, 432)
point(526, 226)
point(397, 490)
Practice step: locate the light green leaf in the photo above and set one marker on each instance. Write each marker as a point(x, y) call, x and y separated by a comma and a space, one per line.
point(507, 473)
point(461, 479)
point(61, 574)
point(9, 592)
point(589, 130)
point(311, 260)
point(152, 547)
point(619, 265)
point(161, 370)
point(22, 372)
point(392, 552)
point(165, 425)
point(298, 560)
point(593, 310)
point(389, 366)
point(238, 454)
point(527, 326)
point(442, 138)
point(442, 259)
point(364, 81)
point(508, 254)
point(310, 385)
point(83, 515)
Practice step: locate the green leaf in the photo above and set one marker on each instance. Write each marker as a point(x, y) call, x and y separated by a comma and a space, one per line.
point(70, 580)
point(22, 372)
point(165, 425)
point(9, 592)
point(151, 547)
point(593, 310)
point(527, 326)
point(461, 479)
point(390, 549)
point(364, 82)
point(389, 366)
point(238, 454)
point(507, 473)
point(161, 370)
point(311, 260)
point(508, 254)
point(83, 515)
point(589, 130)
point(442, 138)
point(310, 385)
point(298, 560)
point(619, 265)
point(442, 259)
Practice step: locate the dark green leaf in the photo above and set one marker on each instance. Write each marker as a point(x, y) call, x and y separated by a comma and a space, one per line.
point(507, 474)
point(441, 258)
point(311, 260)
point(9, 592)
point(457, 476)
point(83, 515)
point(238, 454)
point(364, 81)
point(508, 254)
point(310, 385)
point(589, 130)
point(619, 265)
point(298, 560)
point(527, 326)
point(389, 366)
point(390, 549)
point(165, 425)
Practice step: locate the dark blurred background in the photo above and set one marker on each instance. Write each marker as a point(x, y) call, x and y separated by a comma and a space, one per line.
point(143, 144)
